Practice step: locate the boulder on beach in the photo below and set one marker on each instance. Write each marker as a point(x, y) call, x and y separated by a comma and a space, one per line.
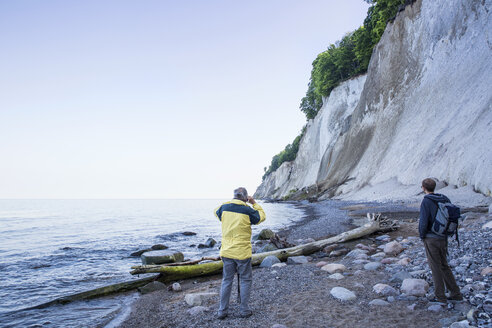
point(269, 261)
point(343, 294)
point(159, 247)
point(208, 244)
point(140, 252)
point(267, 248)
point(188, 233)
point(197, 299)
point(161, 257)
point(152, 287)
point(297, 260)
point(393, 248)
point(379, 302)
point(371, 266)
point(334, 267)
point(266, 234)
point(414, 287)
point(385, 290)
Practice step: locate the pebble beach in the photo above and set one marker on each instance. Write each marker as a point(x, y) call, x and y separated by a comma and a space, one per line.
point(382, 280)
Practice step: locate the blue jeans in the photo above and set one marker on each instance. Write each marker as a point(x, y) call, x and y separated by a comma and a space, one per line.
point(231, 266)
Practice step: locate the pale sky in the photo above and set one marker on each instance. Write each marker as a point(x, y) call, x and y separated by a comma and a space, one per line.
point(154, 99)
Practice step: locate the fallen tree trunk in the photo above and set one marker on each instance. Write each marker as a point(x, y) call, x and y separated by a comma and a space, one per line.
point(98, 292)
point(170, 273)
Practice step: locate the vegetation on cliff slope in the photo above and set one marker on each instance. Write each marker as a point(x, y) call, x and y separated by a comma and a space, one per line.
point(343, 60)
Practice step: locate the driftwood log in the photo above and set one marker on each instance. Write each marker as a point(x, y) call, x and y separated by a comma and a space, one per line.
point(177, 272)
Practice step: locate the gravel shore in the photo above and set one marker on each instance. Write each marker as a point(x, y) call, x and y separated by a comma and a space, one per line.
point(301, 295)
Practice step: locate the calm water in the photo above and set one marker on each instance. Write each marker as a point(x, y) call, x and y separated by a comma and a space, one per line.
point(51, 248)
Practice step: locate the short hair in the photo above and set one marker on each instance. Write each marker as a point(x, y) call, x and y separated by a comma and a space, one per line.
point(241, 193)
point(429, 184)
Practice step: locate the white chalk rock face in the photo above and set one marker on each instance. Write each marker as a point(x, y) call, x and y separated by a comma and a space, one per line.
point(423, 110)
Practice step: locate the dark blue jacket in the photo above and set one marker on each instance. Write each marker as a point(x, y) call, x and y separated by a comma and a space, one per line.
point(428, 211)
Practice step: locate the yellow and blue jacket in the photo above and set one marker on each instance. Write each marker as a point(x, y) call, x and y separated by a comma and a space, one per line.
point(237, 217)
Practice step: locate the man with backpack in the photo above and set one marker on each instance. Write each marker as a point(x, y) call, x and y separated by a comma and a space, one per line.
point(438, 219)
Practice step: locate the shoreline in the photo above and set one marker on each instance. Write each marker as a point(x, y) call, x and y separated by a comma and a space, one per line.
point(277, 292)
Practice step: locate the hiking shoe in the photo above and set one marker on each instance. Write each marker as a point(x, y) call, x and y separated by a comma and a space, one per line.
point(455, 298)
point(221, 316)
point(246, 314)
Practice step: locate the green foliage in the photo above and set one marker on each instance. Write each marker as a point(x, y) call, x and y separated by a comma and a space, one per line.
point(348, 57)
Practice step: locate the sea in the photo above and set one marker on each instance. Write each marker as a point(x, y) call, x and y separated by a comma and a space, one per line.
point(54, 248)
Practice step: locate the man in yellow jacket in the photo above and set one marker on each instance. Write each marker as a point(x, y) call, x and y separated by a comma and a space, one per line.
point(237, 217)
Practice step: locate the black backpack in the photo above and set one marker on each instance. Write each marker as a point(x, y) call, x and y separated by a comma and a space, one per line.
point(447, 220)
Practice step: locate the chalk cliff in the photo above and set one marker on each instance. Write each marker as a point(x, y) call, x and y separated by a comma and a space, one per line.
point(423, 109)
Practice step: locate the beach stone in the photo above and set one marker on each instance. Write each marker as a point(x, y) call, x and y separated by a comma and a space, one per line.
point(334, 267)
point(188, 233)
point(383, 238)
point(342, 294)
point(267, 248)
point(277, 325)
point(355, 253)
point(364, 247)
point(196, 310)
point(460, 324)
point(159, 247)
point(176, 287)
point(339, 252)
point(435, 308)
point(210, 242)
point(160, 257)
point(385, 290)
point(393, 248)
point(140, 252)
point(336, 276)
point(378, 255)
point(390, 299)
point(152, 287)
point(411, 307)
point(389, 260)
point(269, 261)
point(279, 265)
point(404, 261)
point(297, 260)
point(414, 287)
point(328, 249)
point(197, 299)
point(321, 264)
point(379, 302)
point(371, 266)
point(486, 271)
point(266, 234)
point(487, 225)
point(400, 276)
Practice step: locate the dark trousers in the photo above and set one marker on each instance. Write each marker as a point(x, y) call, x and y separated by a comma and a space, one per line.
point(436, 250)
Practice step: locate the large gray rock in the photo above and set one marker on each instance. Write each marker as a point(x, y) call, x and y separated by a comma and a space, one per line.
point(267, 248)
point(393, 248)
point(334, 267)
point(197, 299)
point(378, 302)
point(342, 294)
point(371, 266)
point(152, 287)
point(269, 261)
point(297, 260)
point(356, 254)
point(161, 257)
point(266, 234)
point(385, 290)
point(414, 287)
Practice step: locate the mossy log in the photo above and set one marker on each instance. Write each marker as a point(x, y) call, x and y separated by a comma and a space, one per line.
point(169, 273)
point(98, 292)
